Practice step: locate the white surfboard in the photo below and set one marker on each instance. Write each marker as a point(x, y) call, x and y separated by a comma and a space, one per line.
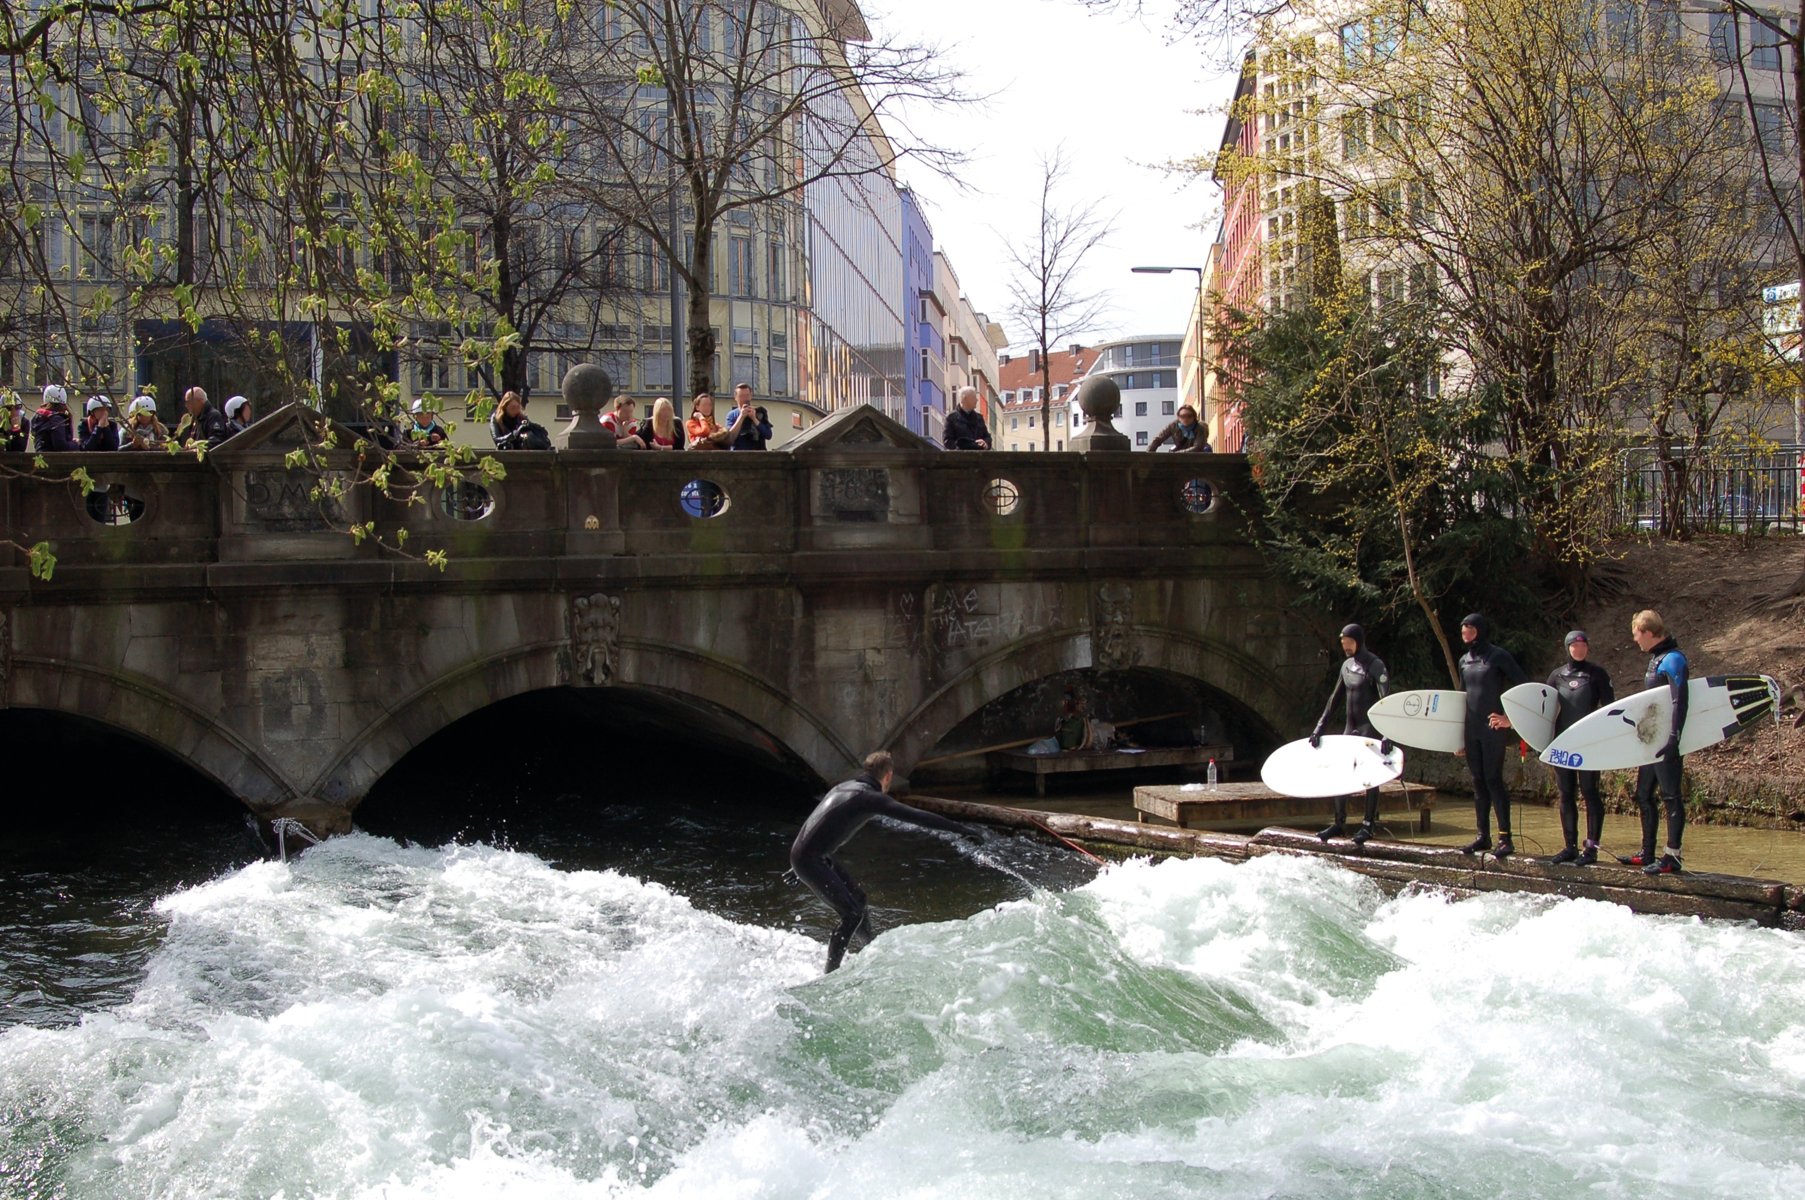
point(1632, 732)
point(1341, 766)
point(1532, 708)
point(1426, 719)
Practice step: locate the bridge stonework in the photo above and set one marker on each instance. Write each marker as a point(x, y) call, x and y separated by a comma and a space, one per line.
point(859, 589)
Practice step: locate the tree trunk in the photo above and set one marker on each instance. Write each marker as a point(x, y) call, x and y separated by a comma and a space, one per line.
point(700, 334)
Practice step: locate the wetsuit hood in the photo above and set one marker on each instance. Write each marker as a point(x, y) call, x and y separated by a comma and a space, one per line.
point(1358, 633)
point(1478, 622)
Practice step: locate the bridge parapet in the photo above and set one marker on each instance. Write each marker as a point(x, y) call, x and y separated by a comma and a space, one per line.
point(862, 590)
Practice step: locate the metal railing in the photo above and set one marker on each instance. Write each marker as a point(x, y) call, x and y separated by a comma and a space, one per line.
point(1726, 491)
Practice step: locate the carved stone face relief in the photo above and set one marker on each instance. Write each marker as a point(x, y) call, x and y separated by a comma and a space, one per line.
point(595, 637)
point(1112, 646)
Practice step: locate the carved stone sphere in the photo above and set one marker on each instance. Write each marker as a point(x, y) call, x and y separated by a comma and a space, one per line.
point(587, 386)
point(1099, 397)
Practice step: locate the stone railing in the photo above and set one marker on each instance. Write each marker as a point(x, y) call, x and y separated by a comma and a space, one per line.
point(853, 500)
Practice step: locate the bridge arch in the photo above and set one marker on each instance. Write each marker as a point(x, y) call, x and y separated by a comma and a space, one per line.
point(671, 670)
point(135, 705)
point(1235, 676)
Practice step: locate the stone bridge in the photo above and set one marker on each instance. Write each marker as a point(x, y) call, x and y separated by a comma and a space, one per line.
point(859, 589)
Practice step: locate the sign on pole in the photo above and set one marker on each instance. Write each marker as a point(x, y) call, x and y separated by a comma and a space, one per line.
point(1780, 319)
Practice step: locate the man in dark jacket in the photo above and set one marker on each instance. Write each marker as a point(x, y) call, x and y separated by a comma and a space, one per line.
point(206, 425)
point(1581, 687)
point(843, 812)
point(965, 428)
point(1666, 668)
point(52, 431)
point(1364, 681)
point(1487, 672)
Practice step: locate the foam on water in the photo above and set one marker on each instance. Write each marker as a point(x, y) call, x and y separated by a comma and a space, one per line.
point(387, 1022)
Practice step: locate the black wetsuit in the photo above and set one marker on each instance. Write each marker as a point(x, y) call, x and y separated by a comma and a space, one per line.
point(1364, 681)
point(1487, 672)
point(1666, 666)
point(1582, 688)
point(843, 812)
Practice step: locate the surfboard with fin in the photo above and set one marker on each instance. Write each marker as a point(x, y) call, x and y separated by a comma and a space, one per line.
point(1342, 765)
point(1632, 732)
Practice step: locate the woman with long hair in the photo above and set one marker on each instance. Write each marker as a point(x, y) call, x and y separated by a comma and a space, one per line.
point(702, 432)
point(661, 431)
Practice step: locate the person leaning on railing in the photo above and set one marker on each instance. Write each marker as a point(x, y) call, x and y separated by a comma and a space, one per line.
point(142, 430)
point(1185, 434)
point(701, 430)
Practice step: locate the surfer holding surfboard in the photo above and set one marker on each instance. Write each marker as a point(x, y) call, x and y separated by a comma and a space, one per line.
point(1486, 671)
point(1666, 667)
point(1363, 680)
point(1581, 688)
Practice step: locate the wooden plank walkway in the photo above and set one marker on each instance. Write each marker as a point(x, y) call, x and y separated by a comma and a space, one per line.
point(1397, 865)
point(1186, 805)
point(1068, 762)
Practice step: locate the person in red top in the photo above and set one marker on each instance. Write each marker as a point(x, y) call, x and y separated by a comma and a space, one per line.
point(620, 422)
point(701, 430)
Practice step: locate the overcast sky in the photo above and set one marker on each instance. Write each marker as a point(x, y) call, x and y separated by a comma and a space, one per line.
point(1119, 98)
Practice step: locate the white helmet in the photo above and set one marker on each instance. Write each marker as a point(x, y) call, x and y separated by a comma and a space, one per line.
point(141, 404)
point(55, 396)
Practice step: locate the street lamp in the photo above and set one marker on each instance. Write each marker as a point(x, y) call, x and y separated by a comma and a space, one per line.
point(1198, 271)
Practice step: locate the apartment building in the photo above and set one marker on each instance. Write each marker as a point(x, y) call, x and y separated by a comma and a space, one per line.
point(1021, 424)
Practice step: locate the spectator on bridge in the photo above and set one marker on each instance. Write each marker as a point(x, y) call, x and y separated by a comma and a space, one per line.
point(422, 426)
point(203, 425)
point(15, 427)
point(662, 431)
point(238, 416)
point(621, 422)
point(99, 431)
point(51, 429)
point(1185, 434)
point(748, 428)
point(701, 431)
point(965, 428)
point(512, 430)
point(143, 431)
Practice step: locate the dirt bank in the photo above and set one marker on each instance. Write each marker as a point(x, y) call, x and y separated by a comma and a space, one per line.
point(1707, 591)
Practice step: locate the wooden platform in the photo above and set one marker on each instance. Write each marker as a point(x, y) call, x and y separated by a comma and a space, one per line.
point(1186, 805)
point(1075, 761)
point(1398, 865)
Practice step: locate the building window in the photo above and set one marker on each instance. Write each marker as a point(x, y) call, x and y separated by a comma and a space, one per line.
point(1167, 407)
point(1008, 397)
point(1353, 43)
point(1764, 47)
point(1012, 424)
point(1353, 133)
point(1140, 437)
point(1724, 42)
point(1140, 408)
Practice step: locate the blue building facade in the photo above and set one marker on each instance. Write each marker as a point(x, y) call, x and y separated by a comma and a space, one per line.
point(924, 355)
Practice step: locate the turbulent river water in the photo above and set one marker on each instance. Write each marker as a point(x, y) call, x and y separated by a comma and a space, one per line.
point(641, 1010)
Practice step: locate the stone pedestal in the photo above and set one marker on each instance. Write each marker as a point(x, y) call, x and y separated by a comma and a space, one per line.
point(586, 388)
point(1099, 398)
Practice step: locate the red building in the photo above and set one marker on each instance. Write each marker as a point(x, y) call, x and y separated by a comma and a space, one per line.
point(1019, 379)
point(1237, 260)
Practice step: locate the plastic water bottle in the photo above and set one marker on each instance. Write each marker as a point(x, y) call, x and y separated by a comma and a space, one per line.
point(1210, 775)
